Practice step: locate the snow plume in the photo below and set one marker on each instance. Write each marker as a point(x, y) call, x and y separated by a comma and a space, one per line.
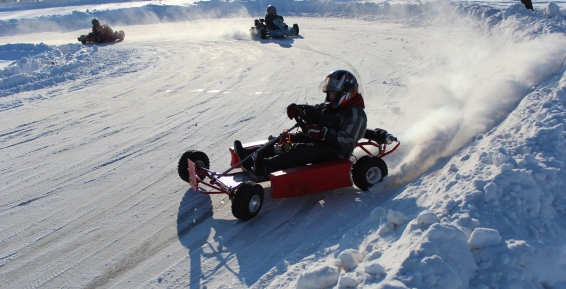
point(507, 216)
point(238, 34)
point(475, 82)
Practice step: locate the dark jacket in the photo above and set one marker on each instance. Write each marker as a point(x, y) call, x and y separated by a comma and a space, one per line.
point(269, 18)
point(345, 128)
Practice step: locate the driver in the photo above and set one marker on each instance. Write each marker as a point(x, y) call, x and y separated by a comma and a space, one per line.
point(331, 131)
point(270, 16)
point(102, 33)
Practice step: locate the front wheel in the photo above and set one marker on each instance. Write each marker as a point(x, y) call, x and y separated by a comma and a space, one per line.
point(247, 201)
point(368, 171)
point(296, 26)
point(263, 33)
point(200, 160)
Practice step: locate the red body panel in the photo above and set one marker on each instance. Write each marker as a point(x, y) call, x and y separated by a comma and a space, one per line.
point(234, 158)
point(311, 179)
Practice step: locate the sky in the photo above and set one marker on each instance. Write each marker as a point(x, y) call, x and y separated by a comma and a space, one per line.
point(91, 136)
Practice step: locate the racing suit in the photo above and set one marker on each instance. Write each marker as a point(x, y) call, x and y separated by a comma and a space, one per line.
point(274, 22)
point(102, 33)
point(345, 126)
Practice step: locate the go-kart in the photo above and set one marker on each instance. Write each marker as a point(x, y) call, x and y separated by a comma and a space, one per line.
point(260, 28)
point(90, 38)
point(247, 195)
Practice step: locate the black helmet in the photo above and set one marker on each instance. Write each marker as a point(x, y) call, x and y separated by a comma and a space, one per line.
point(342, 82)
point(271, 10)
point(95, 22)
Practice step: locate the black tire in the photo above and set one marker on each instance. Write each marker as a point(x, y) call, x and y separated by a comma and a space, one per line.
point(263, 33)
point(199, 158)
point(247, 201)
point(368, 171)
point(296, 26)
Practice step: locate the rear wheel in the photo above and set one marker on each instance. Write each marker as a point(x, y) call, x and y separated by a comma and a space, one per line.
point(200, 160)
point(368, 171)
point(247, 201)
point(296, 26)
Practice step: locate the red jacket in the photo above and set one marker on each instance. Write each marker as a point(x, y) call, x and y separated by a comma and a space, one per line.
point(103, 33)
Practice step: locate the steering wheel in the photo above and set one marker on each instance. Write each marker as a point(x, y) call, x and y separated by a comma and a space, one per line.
point(301, 121)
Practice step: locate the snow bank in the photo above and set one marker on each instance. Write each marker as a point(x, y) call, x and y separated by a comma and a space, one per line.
point(507, 217)
point(41, 65)
point(319, 277)
point(37, 66)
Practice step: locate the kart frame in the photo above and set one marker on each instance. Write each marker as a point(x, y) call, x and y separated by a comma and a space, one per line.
point(247, 195)
point(228, 183)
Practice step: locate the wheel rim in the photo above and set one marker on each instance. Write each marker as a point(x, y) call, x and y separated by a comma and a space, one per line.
point(373, 175)
point(199, 165)
point(254, 203)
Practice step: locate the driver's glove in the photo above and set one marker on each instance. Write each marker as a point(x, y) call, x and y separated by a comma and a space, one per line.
point(293, 110)
point(316, 132)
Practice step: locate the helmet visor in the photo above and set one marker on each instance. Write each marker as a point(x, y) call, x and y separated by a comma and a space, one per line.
point(332, 84)
point(331, 96)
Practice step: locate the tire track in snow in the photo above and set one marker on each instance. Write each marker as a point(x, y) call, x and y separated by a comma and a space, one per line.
point(74, 222)
point(153, 244)
point(51, 240)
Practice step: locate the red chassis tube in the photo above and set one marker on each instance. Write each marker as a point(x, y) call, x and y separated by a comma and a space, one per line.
point(291, 182)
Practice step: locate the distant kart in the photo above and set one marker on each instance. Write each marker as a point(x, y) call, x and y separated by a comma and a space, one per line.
point(247, 195)
point(260, 29)
point(90, 38)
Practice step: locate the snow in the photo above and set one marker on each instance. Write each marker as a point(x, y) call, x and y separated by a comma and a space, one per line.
point(484, 237)
point(91, 136)
point(319, 277)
